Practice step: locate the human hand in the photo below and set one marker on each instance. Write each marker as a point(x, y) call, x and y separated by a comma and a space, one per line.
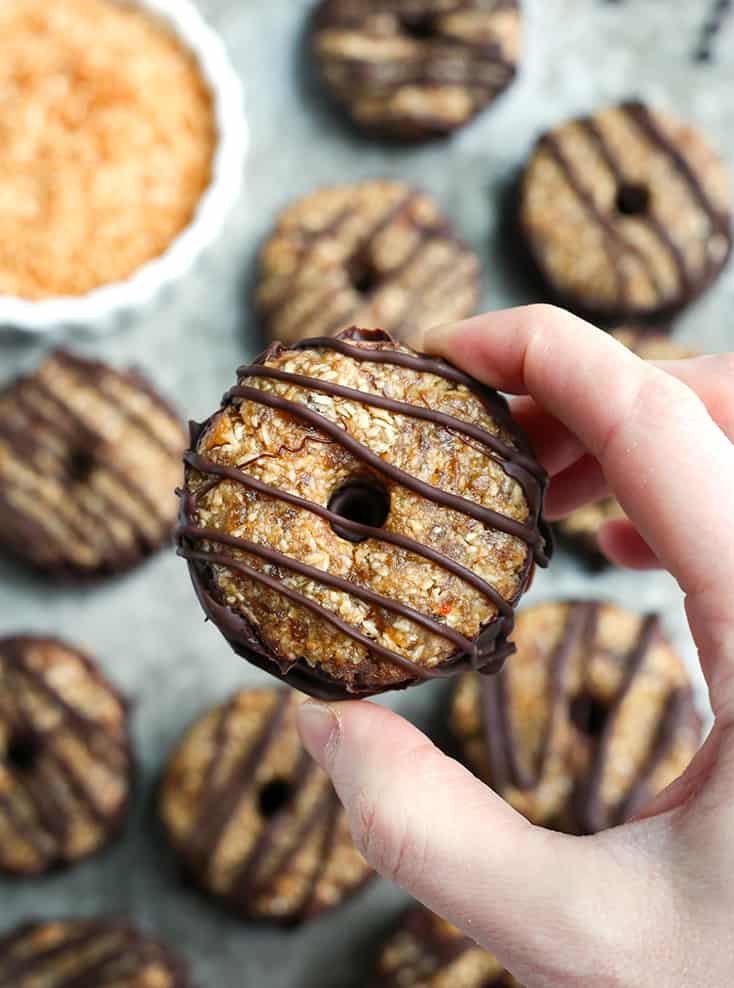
point(649, 903)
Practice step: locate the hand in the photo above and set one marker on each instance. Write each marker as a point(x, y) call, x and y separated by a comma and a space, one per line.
point(650, 903)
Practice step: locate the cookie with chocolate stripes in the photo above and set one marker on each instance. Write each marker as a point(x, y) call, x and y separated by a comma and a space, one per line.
point(592, 718)
point(413, 69)
point(65, 758)
point(87, 953)
point(89, 460)
point(627, 212)
point(425, 951)
point(253, 819)
point(377, 253)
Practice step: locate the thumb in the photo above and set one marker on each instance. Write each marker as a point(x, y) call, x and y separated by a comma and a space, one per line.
point(424, 821)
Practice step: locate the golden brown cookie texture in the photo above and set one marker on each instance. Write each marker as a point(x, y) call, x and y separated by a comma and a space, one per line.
point(376, 253)
point(89, 459)
point(359, 517)
point(65, 759)
point(592, 718)
point(415, 69)
point(254, 820)
point(426, 951)
point(579, 531)
point(627, 212)
point(87, 953)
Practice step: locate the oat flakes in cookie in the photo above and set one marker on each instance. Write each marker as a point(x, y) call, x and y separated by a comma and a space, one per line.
point(87, 953)
point(253, 819)
point(593, 716)
point(108, 136)
point(65, 759)
point(425, 951)
point(627, 212)
point(415, 69)
point(378, 253)
point(579, 531)
point(358, 517)
point(89, 460)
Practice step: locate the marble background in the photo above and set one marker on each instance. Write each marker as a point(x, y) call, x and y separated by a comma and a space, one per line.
point(146, 628)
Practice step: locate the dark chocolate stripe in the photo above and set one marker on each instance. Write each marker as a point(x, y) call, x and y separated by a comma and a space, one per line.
point(330, 580)
point(443, 498)
point(648, 216)
point(382, 534)
point(33, 962)
point(328, 811)
point(645, 122)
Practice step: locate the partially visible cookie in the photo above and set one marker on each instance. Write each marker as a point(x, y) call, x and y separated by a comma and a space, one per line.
point(412, 69)
point(84, 953)
point(254, 820)
point(593, 716)
point(377, 253)
point(426, 951)
point(65, 760)
point(89, 460)
point(579, 531)
point(627, 212)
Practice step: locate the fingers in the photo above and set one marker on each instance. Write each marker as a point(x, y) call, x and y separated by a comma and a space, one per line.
point(622, 544)
point(654, 438)
point(579, 484)
point(423, 820)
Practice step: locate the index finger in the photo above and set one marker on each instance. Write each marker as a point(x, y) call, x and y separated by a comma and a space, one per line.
point(667, 461)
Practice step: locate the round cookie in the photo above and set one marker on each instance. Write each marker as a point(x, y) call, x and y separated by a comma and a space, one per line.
point(87, 953)
point(362, 536)
point(415, 69)
point(65, 759)
point(89, 459)
point(593, 716)
point(579, 531)
point(426, 951)
point(254, 820)
point(377, 253)
point(627, 212)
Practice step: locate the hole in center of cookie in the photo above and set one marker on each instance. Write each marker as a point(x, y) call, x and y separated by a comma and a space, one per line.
point(418, 26)
point(273, 797)
point(79, 466)
point(362, 499)
point(633, 199)
point(21, 752)
point(588, 714)
point(363, 275)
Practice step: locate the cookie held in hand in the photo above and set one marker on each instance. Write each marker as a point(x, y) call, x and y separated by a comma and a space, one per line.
point(358, 517)
point(592, 718)
point(253, 819)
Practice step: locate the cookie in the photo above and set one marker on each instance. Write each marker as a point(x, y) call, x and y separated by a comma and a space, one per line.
point(579, 531)
point(89, 459)
point(254, 820)
point(426, 951)
point(627, 212)
point(592, 718)
point(378, 253)
point(416, 69)
point(365, 535)
point(87, 953)
point(65, 759)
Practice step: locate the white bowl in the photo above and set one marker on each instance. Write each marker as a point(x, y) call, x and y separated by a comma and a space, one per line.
point(111, 306)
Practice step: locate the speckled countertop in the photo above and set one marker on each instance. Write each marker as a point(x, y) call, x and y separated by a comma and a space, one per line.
point(147, 629)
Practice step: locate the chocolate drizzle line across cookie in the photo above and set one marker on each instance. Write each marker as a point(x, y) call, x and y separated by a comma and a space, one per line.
point(490, 648)
point(257, 871)
point(588, 813)
point(86, 954)
point(45, 793)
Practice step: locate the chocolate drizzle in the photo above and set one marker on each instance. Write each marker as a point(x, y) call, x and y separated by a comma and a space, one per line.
point(586, 813)
point(489, 649)
point(46, 791)
point(88, 954)
point(283, 831)
point(712, 25)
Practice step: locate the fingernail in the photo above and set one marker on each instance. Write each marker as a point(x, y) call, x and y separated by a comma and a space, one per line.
point(319, 726)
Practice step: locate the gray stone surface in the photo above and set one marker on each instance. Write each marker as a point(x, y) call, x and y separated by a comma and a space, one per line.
point(147, 628)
